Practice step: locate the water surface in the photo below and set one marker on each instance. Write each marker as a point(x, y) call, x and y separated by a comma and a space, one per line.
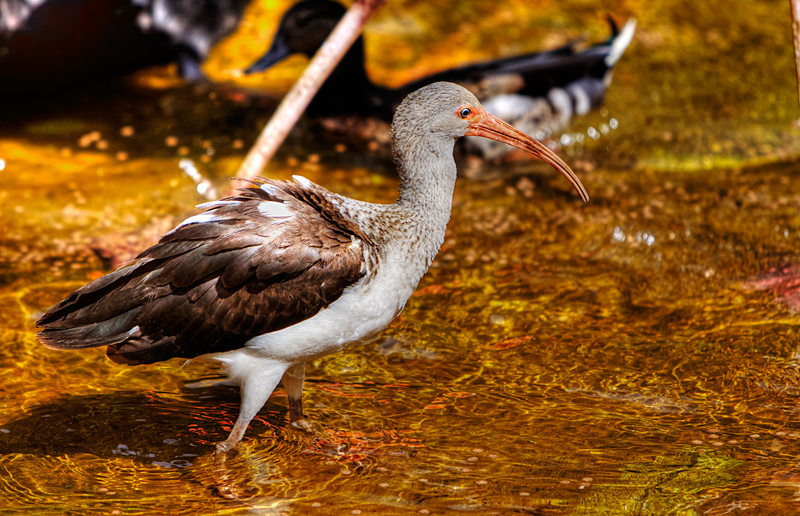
point(559, 358)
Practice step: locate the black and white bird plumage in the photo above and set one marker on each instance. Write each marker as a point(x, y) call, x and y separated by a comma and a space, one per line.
point(532, 91)
point(53, 45)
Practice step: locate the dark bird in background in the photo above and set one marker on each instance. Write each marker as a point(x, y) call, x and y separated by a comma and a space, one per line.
point(53, 44)
point(530, 91)
point(285, 272)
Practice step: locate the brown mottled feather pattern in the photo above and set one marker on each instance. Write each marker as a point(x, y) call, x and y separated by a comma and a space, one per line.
point(211, 286)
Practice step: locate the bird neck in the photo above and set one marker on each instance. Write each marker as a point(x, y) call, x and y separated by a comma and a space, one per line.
point(427, 173)
point(427, 179)
point(407, 234)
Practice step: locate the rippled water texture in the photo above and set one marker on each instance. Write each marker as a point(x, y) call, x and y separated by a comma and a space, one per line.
point(634, 355)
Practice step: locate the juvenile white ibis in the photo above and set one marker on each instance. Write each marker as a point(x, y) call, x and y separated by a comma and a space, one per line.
point(531, 91)
point(285, 272)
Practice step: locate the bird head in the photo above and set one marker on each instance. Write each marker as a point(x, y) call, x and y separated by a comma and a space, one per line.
point(302, 30)
point(445, 110)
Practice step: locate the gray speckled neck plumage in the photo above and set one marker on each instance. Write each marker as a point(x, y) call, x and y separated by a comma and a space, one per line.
point(428, 177)
point(424, 132)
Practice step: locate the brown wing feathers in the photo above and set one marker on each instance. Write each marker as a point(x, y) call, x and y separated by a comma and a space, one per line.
point(211, 285)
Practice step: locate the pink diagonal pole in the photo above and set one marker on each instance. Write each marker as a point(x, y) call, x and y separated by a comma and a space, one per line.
point(296, 101)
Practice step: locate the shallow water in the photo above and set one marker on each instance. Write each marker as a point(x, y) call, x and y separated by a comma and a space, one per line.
point(559, 358)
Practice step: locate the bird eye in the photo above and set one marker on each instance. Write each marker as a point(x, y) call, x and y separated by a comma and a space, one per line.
point(465, 112)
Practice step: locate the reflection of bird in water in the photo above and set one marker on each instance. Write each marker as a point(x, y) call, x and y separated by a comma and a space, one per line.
point(118, 424)
point(47, 44)
point(284, 272)
point(531, 91)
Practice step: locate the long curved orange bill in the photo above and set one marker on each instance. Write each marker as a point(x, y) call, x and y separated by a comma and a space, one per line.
point(493, 128)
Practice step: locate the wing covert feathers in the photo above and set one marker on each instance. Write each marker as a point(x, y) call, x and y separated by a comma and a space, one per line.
point(218, 279)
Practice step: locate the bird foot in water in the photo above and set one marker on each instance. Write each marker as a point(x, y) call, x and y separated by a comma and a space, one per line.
point(226, 446)
point(226, 478)
point(303, 424)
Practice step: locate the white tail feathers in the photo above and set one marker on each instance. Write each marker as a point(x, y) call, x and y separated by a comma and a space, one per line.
point(621, 43)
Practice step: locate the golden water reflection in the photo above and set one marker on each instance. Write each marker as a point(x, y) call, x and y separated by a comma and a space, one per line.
point(559, 358)
point(546, 362)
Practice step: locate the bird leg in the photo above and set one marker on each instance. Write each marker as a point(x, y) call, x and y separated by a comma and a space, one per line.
point(255, 390)
point(293, 383)
point(236, 435)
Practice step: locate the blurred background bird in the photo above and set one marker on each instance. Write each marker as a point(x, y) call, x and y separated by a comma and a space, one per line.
point(532, 91)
